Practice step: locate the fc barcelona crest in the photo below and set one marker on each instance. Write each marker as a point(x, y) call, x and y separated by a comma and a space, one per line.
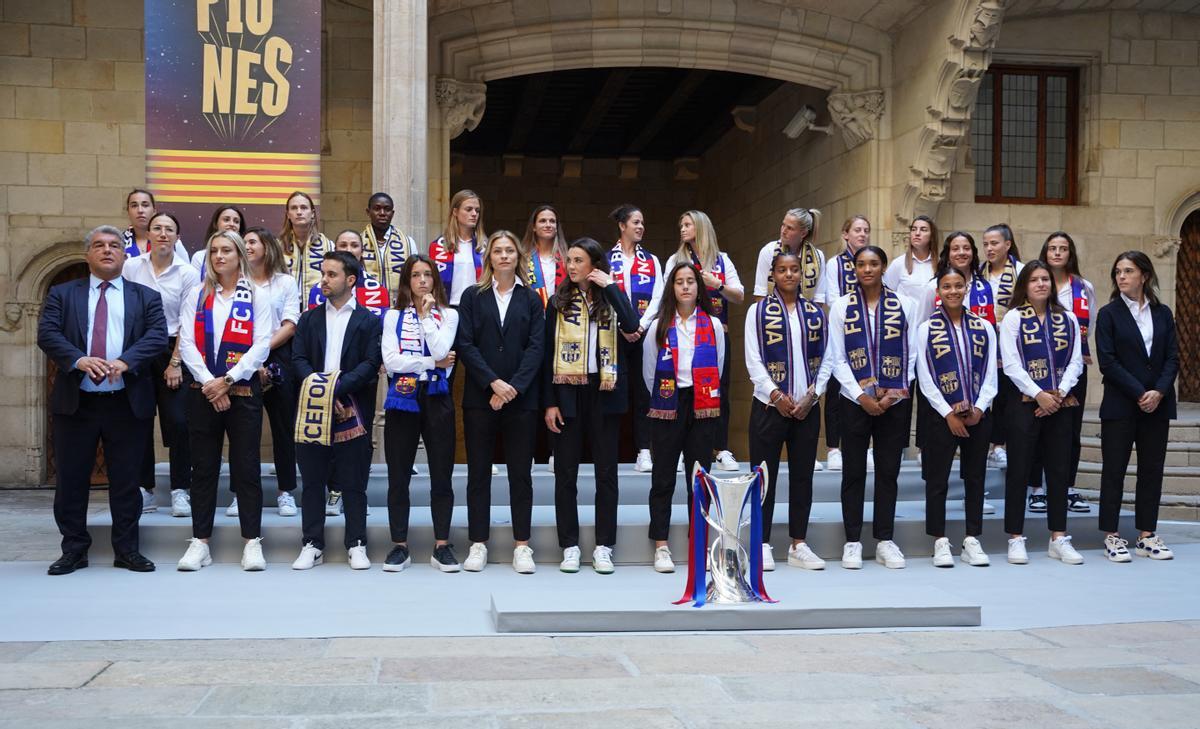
point(406, 385)
point(570, 352)
point(777, 371)
point(666, 389)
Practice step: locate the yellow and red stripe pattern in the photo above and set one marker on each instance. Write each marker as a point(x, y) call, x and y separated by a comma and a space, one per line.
point(244, 178)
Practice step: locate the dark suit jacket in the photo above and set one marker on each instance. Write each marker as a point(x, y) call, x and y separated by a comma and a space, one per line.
point(1128, 372)
point(564, 397)
point(62, 335)
point(361, 355)
point(512, 352)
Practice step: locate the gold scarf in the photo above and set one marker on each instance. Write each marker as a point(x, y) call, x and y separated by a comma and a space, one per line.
point(571, 354)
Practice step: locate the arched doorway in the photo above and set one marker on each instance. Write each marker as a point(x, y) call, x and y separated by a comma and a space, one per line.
point(1187, 297)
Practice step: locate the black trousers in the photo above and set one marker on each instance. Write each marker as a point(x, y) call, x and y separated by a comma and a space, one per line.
point(1148, 431)
point(1037, 471)
point(1029, 436)
point(1006, 393)
point(345, 464)
point(937, 458)
point(890, 434)
point(769, 433)
point(688, 436)
point(722, 439)
point(242, 423)
point(172, 426)
point(101, 419)
point(482, 427)
point(280, 404)
point(601, 431)
point(922, 411)
point(834, 405)
point(639, 396)
point(401, 431)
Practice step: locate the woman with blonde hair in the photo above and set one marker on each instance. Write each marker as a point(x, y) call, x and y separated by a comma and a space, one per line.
point(458, 252)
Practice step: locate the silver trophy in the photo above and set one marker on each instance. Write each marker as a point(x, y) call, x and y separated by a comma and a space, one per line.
point(729, 559)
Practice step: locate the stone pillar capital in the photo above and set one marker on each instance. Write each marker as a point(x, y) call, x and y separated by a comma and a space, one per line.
point(857, 114)
point(462, 104)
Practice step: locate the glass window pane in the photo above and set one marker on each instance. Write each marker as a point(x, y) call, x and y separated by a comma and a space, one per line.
point(982, 122)
point(1056, 137)
point(1018, 144)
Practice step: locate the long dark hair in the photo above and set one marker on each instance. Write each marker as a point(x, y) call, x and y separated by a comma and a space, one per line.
point(933, 241)
point(273, 260)
point(403, 298)
point(216, 217)
point(1143, 263)
point(668, 305)
point(529, 240)
point(1072, 255)
point(1020, 294)
point(873, 249)
point(1006, 232)
point(944, 257)
point(598, 309)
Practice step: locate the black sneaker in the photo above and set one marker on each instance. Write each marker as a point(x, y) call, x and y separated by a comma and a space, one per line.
point(397, 559)
point(1077, 503)
point(443, 558)
point(1037, 503)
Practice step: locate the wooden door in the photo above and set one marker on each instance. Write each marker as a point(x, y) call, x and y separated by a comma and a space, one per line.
point(1187, 298)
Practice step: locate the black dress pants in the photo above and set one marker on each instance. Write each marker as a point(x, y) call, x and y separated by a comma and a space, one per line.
point(769, 433)
point(1037, 471)
point(280, 402)
point(1006, 393)
point(172, 425)
point(1028, 436)
point(688, 436)
point(600, 430)
point(242, 423)
point(639, 396)
point(101, 419)
point(889, 432)
point(401, 431)
point(482, 427)
point(834, 405)
point(343, 464)
point(1147, 431)
point(937, 458)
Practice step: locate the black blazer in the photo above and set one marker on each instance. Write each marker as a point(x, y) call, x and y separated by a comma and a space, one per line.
point(512, 353)
point(565, 397)
point(1128, 372)
point(62, 335)
point(361, 355)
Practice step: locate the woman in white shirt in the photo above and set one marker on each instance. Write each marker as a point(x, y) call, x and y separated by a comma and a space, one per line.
point(224, 217)
point(1001, 266)
point(681, 368)
point(797, 233)
point(458, 252)
point(418, 336)
point(1040, 348)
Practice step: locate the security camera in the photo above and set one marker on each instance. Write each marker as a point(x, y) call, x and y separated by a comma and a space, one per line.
point(802, 122)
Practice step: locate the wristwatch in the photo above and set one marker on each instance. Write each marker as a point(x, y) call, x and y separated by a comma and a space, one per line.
point(229, 380)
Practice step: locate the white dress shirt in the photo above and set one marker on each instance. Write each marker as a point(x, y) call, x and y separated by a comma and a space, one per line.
point(761, 379)
point(549, 268)
point(1143, 318)
point(685, 330)
point(898, 279)
point(464, 272)
point(830, 288)
point(336, 321)
point(198, 259)
point(438, 336)
point(1010, 354)
point(733, 282)
point(505, 298)
point(114, 331)
point(254, 357)
point(284, 294)
point(928, 380)
point(762, 271)
point(172, 285)
point(835, 351)
point(651, 312)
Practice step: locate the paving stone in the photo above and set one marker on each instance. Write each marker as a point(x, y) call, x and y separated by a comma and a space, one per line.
point(407, 721)
point(875, 643)
point(1160, 712)
point(1087, 636)
point(117, 650)
point(645, 691)
point(642, 719)
point(313, 700)
point(15, 651)
point(969, 640)
point(238, 672)
point(513, 646)
point(1130, 680)
point(996, 714)
point(1191, 672)
point(61, 674)
point(966, 662)
point(662, 644)
point(482, 668)
point(915, 688)
point(789, 714)
point(1174, 651)
point(174, 722)
point(87, 703)
point(780, 662)
point(1063, 658)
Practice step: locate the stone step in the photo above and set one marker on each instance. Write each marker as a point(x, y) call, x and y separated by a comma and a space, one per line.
point(1184, 429)
point(1176, 479)
point(1178, 453)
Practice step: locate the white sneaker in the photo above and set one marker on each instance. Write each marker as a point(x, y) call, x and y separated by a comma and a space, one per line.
point(550, 464)
point(852, 556)
point(725, 462)
point(1016, 551)
point(870, 460)
point(232, 509)
point(833, 460)
point(415, 471)
point(643, 464)
point(942, 556)
point(358, 557)
point(570, 561)
point(333, 503)
point(890, 556)
point(662, 560)
point(768, 559)
point(476, 558)
point(818, 466)
point(181, 503)
point(998, 458)
point(679, 466)
point(148, 505)
point(800, 555)
point(252, 556)
point(1062, 550)
point(309, 557)
point(196, 556)
point(973, 554)
point(602, 560)
point(495, 470)
point(285, 504)
point(1153, 547)
point(918, 458)
point(1116, 549)
point(523, 560)
point(988, 507)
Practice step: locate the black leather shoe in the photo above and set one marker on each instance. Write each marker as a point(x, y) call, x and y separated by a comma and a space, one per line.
point(68, 563)
point(134, 562)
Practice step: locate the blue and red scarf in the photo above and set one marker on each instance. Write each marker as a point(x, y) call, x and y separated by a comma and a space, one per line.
point(878, 355)
point(847, 278)
point(639, 283)
point(706, 376)
point(371, 295)
point(775, 340)
point(130, 241)
point(1045, 346)
point(537, 278)
point(959, 375)
point(718, 270)
point(402, 387)
point(237, 336)
point(980, 300)
point(443, 257)
point(1007, 281)
point(1081, 310)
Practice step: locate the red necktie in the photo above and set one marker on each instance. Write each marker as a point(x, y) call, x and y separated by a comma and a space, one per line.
point(99, 346)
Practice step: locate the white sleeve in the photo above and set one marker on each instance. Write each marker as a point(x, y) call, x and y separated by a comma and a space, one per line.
point(762, 270)
point(1075, 365)
point(441, 338)
point(763, 384)
point(197, 259)
point(670, 265)
point(824, 372)
point(987, 392)
point(187, 341)
point(732, 280)
point(260, 348)
point(1010, 353)
point(828, 291)
point(180, 250)
point(835, 351)
point(820, 293)
point(720, 337)
point(891, 277)
point(649, 356)
point(925, 375)
point(291, 300)
point(655, 296)
point(914, 343)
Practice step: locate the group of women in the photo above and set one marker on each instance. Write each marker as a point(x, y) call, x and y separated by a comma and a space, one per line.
point(990, 353)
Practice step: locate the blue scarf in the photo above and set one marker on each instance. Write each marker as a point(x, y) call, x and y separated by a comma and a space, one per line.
point(959, 375)
point(238, 335)
point(1045, 346)
point(775, 341)
point(638, 281)
point(706, 377)
point(878, 356)
point(718, 270)
point(847, 278)
point(402, 387)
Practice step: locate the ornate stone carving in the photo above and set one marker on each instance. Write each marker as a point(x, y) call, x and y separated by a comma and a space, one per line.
point(13, 314)
point(857, 114)
point(462, 104)
point(1166, 246)
point(985, 26)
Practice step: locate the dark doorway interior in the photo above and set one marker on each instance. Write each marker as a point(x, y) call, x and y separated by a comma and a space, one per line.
point(1187, 297)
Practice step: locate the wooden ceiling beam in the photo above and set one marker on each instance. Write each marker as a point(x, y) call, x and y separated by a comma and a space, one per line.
point(666, 111)
point(612, 88)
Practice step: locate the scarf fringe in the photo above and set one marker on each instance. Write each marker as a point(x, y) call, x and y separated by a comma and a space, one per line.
point(708, 413)
point(570, 380)
point(662, 414)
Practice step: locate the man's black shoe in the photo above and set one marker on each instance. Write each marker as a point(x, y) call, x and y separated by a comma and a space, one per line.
point(134, 562)
point(68, 563)
point(397, 560)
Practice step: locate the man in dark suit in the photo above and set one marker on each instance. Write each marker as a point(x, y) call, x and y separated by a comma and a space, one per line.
point(102, 332)
point(338, 336)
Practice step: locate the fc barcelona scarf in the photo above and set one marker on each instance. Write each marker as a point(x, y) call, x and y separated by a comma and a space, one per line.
point(878, 355)
point(305, 263)
point(638, 284)
point(1045, 346)
point(706, 378)
point(371, 295)
point(402, 387)
point(718, 270)
point(537, 277)
point(316, 421)
point(959, 374)
point(979, 300)
point(810, 269)
point(847, 278)
point(775, 340)
point(1008, 279)
point(571, 355)
point(237, 336)
point(443, 256)
point(384, 259)
point(130, 241)
point(1082, 312)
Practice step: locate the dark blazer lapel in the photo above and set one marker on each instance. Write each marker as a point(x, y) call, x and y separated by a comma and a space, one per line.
point(1125, 320)
point(352, 327)
point(79, 300)
point(487, 300)
point(1158, 316)
point(318, 363)
point(132, 304)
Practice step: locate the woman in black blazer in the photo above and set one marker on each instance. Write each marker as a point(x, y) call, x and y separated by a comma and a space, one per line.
point(500, 330)
point(585, 390)
point(1139, 358)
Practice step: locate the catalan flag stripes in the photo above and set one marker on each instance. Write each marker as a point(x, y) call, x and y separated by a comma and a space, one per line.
point(245, 178)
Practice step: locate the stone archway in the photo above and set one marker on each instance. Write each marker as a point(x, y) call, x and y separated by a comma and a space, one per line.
point(1187, 297)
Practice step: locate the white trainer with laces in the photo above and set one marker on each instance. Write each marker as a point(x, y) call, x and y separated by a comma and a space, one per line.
point(181, 503)
point(768, 558)
point(148, 505)
point(358, 557)
point(1016, 551)
point(870, 460)
point(833, 460)
point(890, 556)
point(333, 504)
point(942, 556)
point(679, 465)
point(196, 556)
point(252, 556)
point(285, 504)
point(643, 464)
point(998, 458)
point(725, 462)
point(818, 466)
point(801, 555)
point(476, 558)
point(1116, 549)
point(973, 554)
point(523, 560)
point(570, 560)
point(309, 557)
point(232, 509)
point(602, 560)
point(662, 560)
point(852, 556)
point(1153, 547)
point(1062, 550)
